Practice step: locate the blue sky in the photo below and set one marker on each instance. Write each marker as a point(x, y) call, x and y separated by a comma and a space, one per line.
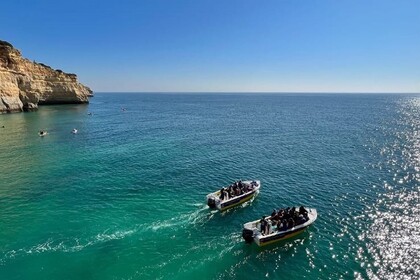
point(212, 45)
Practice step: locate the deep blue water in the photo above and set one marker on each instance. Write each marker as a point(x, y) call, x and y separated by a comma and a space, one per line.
point(125, 197)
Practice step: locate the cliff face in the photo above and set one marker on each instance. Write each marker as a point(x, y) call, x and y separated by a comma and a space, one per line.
point(25, 84)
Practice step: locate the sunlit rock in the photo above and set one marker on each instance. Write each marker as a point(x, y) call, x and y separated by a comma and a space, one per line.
point(25, 84)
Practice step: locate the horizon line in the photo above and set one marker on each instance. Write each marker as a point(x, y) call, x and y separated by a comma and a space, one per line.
point(274, 92)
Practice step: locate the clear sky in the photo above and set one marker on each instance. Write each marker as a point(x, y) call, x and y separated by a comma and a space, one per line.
point(223, 45)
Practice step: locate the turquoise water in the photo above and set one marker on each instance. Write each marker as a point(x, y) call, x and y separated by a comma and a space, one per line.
point(125, 197)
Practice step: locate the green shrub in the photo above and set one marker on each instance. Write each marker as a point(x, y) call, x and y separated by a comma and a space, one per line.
point(4, 43)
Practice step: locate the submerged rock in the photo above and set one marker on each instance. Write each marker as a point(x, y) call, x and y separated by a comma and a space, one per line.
point(25, 84)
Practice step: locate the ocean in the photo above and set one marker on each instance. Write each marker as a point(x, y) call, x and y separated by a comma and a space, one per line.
point(124, 198)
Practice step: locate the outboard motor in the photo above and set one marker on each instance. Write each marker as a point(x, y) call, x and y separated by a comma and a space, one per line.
point(211, 202)
point(248, 235)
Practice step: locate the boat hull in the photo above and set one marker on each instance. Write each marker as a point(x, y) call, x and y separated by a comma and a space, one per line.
point(279, 237)
point(235, 202)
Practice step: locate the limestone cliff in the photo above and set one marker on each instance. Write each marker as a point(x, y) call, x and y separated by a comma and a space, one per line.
point(25, 84)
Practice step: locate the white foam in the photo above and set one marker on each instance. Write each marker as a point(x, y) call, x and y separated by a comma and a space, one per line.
point(179, 221)
point(69, 245)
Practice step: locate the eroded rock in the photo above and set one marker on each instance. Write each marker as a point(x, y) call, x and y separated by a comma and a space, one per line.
point(25, 84)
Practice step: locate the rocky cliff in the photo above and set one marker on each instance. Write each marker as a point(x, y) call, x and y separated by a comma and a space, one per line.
point(25, 84)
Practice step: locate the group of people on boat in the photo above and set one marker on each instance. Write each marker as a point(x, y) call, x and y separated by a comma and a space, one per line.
point(236, 189)
point(283, 219)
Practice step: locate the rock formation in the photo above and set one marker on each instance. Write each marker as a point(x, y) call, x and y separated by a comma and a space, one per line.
point(25, 84)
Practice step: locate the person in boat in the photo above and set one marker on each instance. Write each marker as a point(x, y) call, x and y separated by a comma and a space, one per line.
point(295, 215)
point(302, 210)
point(236, 190)
point(231, 192)
point(274, 214)
point(274, 224)
point(268, 227)
point(301, 219)
point(263, 225)
point(286, 214)
point(291, 223)
point(280, 225)
point(242, 189)
point(222, 194)
point(282, 213)
point(285, 224)
point(227, 194)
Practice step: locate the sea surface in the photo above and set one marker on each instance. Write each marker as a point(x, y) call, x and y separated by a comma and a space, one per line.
point(125, 197)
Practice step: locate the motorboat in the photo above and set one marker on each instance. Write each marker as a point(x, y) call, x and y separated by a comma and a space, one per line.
point(266, 231)
point(42, 133)
point(74, 131)
point(233, 195)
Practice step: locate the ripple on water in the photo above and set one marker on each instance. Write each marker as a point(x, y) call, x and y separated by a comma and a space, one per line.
point(393, 237)
point(125, 198)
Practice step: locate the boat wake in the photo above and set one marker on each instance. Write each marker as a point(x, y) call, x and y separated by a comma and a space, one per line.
point(66, 245)
point(199, 216)
point(76, 244)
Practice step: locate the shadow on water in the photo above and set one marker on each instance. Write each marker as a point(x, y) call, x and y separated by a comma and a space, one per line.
point(266, 260)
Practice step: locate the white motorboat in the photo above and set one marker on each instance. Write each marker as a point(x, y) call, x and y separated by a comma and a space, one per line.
point(253, 231)
point(233, 195)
